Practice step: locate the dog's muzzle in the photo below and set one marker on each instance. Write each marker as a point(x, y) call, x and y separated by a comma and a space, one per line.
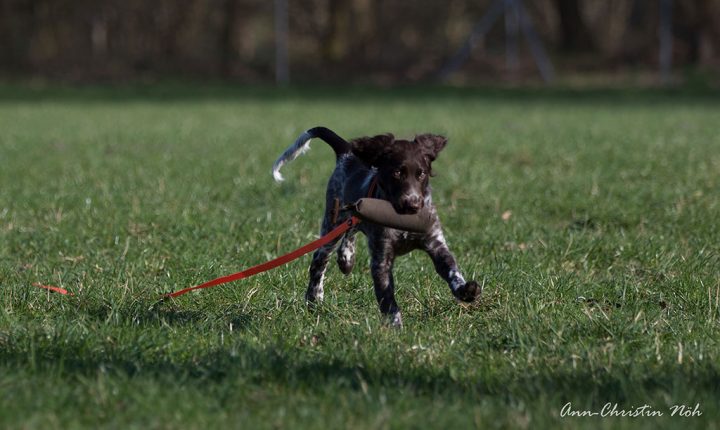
point(382, 212)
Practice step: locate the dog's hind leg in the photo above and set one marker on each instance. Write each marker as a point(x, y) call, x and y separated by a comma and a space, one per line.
point(346, 253)
point(315, 291)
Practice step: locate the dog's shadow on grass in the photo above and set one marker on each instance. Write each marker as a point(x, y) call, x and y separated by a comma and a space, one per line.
point(206, 364)
point(277, 361)
point(272, 363)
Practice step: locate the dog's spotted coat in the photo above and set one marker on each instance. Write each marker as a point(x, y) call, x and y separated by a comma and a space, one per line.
point(402, 169)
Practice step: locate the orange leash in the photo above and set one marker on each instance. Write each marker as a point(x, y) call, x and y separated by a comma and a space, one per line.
point(59, 290)
point(264, 267)
point(260, 268)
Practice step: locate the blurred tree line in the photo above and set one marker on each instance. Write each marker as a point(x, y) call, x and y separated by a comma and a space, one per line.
point(336, 40)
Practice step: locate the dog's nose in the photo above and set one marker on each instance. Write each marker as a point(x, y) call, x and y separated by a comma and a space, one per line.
point(412, 203)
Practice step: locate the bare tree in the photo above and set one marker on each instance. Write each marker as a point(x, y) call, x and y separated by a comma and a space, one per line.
point(574, 34)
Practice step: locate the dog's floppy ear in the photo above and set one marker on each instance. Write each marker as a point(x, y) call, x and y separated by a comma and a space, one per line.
point(431, 144)
point(371, 149)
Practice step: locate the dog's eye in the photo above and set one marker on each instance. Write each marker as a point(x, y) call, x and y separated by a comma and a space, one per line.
point(421, 174)
point(396, 173)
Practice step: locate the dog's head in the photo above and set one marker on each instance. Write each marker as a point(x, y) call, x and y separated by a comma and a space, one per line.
point(404, 166)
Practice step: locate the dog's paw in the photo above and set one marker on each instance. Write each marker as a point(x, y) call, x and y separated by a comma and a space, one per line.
point(313, 297)
point(394, 320)
point(346, 264)
point(468, 292)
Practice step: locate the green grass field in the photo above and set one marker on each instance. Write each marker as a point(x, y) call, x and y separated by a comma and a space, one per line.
point(592, 218)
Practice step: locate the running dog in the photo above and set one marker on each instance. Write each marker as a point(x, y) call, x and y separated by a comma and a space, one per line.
point(400, 170)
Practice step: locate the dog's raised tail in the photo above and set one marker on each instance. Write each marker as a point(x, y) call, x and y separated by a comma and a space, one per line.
point(302, 144)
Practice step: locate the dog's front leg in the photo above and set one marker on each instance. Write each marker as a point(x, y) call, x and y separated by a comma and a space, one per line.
point(447, 268)
point(381, 265)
